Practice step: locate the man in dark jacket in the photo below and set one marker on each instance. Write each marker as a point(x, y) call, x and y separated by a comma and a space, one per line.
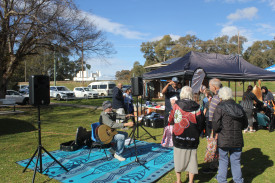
point(118, 99)
point(188, 121)
point(229, 119)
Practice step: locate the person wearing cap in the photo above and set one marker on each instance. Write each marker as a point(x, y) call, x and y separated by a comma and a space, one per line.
point(170, 90)
point(108, 117)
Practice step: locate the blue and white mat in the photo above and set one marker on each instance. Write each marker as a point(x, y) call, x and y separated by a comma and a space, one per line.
point(156, 161)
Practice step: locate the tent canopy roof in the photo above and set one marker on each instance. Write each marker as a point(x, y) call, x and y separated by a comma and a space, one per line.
point(224, 67)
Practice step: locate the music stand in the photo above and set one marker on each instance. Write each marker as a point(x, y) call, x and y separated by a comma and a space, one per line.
point(39, 151)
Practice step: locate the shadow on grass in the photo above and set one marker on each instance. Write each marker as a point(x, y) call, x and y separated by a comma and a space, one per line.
point(12, 126)
point(254, 163)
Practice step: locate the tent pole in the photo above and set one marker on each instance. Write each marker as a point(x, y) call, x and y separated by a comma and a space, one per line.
point(235, 91)
point(243, 86)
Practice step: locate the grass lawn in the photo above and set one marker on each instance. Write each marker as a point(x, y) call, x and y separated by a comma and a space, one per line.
point(18, 141)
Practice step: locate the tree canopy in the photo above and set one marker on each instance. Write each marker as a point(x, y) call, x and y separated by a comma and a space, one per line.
point(166, 48)
point(27, 26)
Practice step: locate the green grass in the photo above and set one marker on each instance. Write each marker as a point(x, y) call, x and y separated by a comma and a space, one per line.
point(96, 101)
point(18, 141)
point(92, 102)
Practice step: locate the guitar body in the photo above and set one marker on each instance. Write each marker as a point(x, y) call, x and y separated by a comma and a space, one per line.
point(105, 133)
point(257, 91)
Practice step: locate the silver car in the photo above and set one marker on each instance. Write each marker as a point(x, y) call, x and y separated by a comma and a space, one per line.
point(61, 93)
point(17, 97)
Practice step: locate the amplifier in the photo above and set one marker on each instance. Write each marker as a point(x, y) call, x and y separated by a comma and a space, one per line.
point(146, 122)
point(157, 123)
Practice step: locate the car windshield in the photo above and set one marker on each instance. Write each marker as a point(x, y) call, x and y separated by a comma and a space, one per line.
point(126, 86)
point(11, 92)
point(24, 87)
point(111, 86)
point(62, 88)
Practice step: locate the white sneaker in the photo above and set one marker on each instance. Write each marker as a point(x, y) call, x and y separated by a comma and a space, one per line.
point(120, 158)
point(112, 151)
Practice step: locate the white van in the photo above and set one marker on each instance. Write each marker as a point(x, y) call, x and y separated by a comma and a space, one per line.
point(104, 88)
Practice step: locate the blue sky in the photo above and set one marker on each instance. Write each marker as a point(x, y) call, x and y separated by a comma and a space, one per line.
point(128, 23)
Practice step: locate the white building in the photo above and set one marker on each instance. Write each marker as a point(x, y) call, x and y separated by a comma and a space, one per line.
point(87, 76)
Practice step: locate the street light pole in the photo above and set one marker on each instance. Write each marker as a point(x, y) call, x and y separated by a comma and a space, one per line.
point(54, 69)
point(82, 65)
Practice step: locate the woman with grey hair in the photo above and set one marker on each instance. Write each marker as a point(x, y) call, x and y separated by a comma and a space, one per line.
point(229, 119)
point(188, 121)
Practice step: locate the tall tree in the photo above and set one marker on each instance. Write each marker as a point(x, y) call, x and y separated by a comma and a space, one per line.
point(163, 48)
point(148, 48)
point(185, 44)
point(123, 75)
point(261, 53)
point(236, 44)
point(137, 70)
point(29, 25)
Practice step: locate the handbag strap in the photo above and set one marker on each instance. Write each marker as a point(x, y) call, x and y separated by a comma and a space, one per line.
point(212, 133)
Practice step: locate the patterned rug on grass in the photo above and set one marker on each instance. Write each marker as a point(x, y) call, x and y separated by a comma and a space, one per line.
point(155, 162)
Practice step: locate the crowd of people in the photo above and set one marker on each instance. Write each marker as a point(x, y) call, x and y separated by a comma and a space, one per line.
point(214, 112)
point(210, 113)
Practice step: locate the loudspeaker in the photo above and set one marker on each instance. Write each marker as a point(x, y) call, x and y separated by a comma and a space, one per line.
point(137, 86)
point(146, 122)
point(157, 123)
point(39, 90)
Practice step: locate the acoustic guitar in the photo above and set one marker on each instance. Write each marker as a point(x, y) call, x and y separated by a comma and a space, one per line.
point(257, 91)
point(105, 133)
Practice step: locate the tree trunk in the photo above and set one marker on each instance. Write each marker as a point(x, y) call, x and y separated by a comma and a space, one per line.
point(3, 87)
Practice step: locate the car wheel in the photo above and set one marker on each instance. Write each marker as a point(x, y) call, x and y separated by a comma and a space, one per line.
point(102, 94)
point(86, 96)
point(26, 101)
point(58, 97)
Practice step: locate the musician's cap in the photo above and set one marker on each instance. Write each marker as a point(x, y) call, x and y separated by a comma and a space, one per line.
point(106, 105)
point(175, 79)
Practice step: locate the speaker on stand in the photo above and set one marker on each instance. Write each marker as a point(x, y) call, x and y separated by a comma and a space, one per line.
point(39, 90)
point(137, 86)
point(39, 94)
point(137, 90)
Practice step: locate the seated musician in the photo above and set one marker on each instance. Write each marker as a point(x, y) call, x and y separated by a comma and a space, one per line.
point(108, 117)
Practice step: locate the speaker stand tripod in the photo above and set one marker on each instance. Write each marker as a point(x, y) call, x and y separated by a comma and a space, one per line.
point(137, 125)
point(140, 162)
point(39, 151)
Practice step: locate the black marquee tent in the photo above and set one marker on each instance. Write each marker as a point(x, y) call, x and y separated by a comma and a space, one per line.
point(224, 67)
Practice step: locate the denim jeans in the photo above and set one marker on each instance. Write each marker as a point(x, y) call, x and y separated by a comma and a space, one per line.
point(235, 161)
point(119, 140)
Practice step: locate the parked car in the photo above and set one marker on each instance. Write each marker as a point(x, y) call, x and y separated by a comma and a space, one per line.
point(104, 88)
point(125, 87)
point(85, 92)
point(17, 97)
point(24, 89)
point(61, 93)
